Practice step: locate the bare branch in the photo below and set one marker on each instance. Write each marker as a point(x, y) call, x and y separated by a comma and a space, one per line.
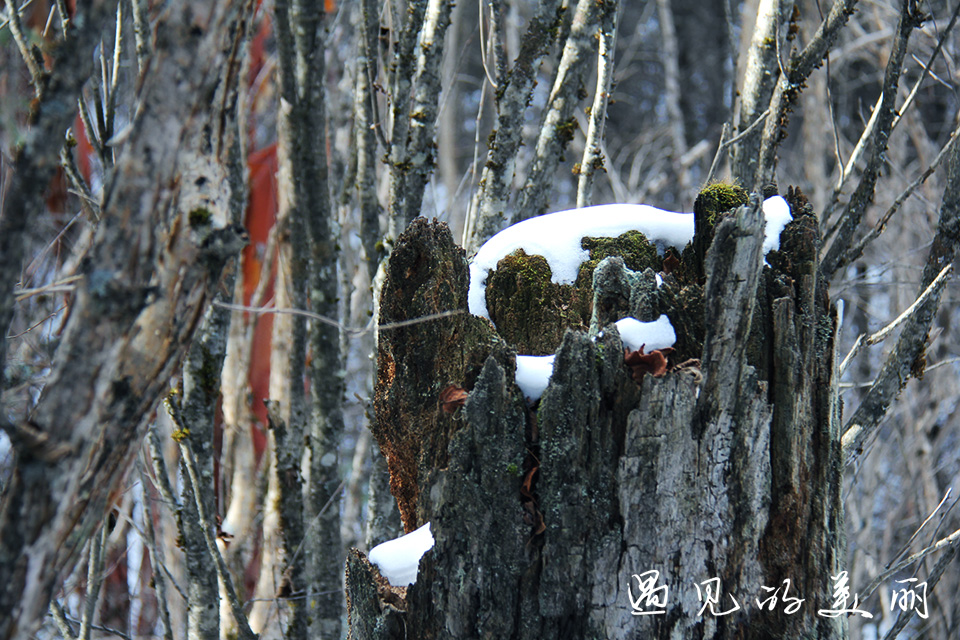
point(141, 33)
point(488, 210)
point(906, 359)
point(36, 159)
point(857, 250)
point(671, 86)
point(559, 124)
point(592, 155)
point(865, 137)
point(333, 323)
point(950, 541)
point(60, 618)
point(413, 159)
point(94, 582)
point(724, 145)
point(910, 18)
point(222, 572)
point(760, 77)
point(16, 29)
point(156, 560)
point(790, 83)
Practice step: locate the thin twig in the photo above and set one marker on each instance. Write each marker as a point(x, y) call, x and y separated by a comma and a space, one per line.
point(16, 29)
point(483, 48)
point(857, 250)
point(916, 533)
point(936, 284)
point(941, 544)
point(94, 582)
point(724, 145)
point(110, 630)
point(236, 608)
point(111, 89)
point(161, 477)
point(849, 221)
point(592, 156)
point(60, 617)
point(881, 335)
point(155, 553)
point(333, 323)
point(58, 286)
point(868, 130)
point(64, 15)
point(93, 136)
point(141, 34)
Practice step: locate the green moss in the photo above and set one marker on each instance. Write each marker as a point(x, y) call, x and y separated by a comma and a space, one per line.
point(529, 310)
point(637, 252)
point(566, 131)
point(532, 313)
point(179, 435)
point(513, 469)
point(718, 198)
point(200, 217)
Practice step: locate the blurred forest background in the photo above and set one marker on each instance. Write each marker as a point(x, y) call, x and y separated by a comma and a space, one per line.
point(674, 105)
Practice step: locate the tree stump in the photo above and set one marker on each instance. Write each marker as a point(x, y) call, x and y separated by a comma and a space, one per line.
point(723, 475)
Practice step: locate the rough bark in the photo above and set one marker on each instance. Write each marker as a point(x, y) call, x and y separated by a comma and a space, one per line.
point(545, 518)
point(156, 258)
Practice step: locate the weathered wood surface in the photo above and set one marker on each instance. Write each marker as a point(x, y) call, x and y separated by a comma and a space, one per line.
point(729, 470)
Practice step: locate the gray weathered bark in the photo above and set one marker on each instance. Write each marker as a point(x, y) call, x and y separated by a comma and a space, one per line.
point(544, 519)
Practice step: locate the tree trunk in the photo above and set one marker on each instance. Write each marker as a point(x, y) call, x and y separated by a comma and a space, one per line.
point(547, 521)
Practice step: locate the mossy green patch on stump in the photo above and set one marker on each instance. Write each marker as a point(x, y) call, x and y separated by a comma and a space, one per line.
point(719, 198)
point(529, 310)
point(637, 252)
point(713, 202)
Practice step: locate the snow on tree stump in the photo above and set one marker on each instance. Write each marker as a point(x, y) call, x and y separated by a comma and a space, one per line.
point(547, 519)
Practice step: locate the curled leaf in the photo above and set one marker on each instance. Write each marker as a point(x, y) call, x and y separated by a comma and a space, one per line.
point(452, 398)
point(640, 363)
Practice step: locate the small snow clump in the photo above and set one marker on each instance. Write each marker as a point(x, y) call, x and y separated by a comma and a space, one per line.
point(533, 375)
point(398, 559)
point(658, 334)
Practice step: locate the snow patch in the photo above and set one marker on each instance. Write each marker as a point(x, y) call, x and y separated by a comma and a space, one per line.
point(777, 212)
point(398, 559)
point(658, 334)
point(556, 237)
point(533, 375)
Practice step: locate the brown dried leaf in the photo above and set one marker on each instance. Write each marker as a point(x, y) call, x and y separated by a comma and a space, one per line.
point(640, 363)
point(670, 263)
point(452, 398)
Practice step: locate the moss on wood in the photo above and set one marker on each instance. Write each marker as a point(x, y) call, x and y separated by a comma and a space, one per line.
point(529, 310)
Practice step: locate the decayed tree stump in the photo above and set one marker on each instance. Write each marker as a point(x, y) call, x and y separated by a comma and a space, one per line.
point(547, 519)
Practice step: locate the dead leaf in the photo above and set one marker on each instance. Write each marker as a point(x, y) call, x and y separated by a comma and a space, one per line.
point(670, 263)
point(640, 363)
point(452, 398)
point(533, 515)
